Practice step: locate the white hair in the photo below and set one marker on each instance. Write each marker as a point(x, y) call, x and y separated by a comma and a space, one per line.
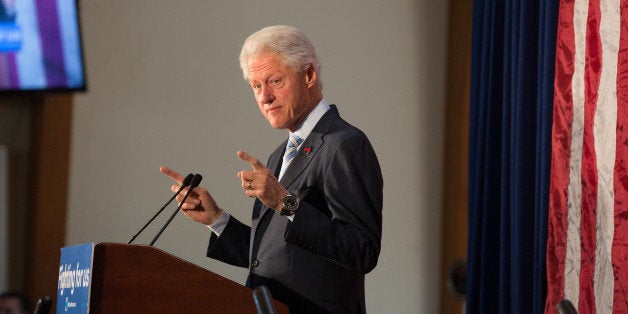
point(290, 44)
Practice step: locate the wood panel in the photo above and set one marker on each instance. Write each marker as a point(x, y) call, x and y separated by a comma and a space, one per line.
point(143, 279)
point(48, 190)
point(455, 217)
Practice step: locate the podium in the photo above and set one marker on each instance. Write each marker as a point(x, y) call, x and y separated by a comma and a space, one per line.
point(142, 279)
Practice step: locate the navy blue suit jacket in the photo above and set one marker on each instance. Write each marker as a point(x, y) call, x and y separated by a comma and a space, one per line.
point(317, 262)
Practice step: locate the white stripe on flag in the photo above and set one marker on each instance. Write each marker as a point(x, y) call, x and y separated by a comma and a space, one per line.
point(574, 203)
point(604, 136)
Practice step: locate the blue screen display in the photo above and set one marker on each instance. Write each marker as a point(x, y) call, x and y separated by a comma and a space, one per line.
point(40, 45)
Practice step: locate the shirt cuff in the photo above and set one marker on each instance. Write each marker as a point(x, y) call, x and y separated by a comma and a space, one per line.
point(219, 225)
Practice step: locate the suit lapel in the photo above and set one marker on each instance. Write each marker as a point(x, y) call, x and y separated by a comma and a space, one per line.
point(274, 164)
point(310, 147)
point(306, 153)
point(302, 159)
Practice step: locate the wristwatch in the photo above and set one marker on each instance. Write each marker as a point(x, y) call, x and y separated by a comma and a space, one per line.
point(289, 206)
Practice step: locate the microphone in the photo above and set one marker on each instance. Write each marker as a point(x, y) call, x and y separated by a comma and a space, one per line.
point(185, 183)
point(196, 180)
point(43, 305)
point(566, 307)
point(263, 300)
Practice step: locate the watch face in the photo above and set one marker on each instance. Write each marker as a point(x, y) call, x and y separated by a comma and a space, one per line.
point(290, 201)
point(290, 205)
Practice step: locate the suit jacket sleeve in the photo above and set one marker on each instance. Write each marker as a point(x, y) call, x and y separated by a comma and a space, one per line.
point(340, 216)
point(232, 247)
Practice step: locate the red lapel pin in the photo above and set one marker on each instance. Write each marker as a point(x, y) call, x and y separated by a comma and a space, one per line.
point(307, 149)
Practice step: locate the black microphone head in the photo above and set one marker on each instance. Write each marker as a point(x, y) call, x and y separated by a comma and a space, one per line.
point(566, 307)
point(187, 180)
point(43, 305)
point(196, 180)
point(263, 300)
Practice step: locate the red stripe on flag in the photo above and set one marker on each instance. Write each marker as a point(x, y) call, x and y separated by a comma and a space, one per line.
point(620, 179)
point(592, 71)
point(561, 146)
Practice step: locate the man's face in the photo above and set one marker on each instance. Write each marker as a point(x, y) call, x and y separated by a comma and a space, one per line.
point(282, 93)
point(10, 306)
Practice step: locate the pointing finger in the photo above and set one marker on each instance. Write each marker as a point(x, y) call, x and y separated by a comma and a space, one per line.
point(254, 162)
point(172, 174)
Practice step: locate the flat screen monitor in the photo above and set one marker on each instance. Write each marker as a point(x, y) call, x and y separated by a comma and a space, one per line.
point(40, 46)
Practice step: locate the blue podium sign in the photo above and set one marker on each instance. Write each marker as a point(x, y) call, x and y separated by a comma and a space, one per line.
point(75, 277)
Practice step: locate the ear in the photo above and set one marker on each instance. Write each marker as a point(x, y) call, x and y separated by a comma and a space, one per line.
point(310, 76)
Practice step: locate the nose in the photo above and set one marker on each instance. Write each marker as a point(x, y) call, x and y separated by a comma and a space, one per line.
point(266, 95)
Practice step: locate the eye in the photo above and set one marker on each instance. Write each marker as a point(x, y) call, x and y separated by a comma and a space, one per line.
point(275, 82)
point(256, 85)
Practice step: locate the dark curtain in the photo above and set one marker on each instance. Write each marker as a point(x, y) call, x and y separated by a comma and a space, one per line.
point(513, 55)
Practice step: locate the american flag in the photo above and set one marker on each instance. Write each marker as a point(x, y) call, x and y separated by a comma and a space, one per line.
point(587, 248)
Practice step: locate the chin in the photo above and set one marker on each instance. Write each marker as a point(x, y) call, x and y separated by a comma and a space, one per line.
point(276, 126)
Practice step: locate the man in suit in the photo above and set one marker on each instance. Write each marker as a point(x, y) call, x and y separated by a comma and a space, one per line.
point(317, 215)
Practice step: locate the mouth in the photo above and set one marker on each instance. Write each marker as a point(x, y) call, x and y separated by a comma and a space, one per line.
point(273, 109)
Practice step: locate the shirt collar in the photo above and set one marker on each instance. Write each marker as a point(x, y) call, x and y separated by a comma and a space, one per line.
point(312, 119)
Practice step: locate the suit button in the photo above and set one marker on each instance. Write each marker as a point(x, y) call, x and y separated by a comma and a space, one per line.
point(255, 263)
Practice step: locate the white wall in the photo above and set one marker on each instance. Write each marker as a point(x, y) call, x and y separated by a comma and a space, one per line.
point(165, 88)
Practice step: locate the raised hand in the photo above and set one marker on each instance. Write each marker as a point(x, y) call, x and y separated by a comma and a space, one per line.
point(200, 206)
point(261, 183)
